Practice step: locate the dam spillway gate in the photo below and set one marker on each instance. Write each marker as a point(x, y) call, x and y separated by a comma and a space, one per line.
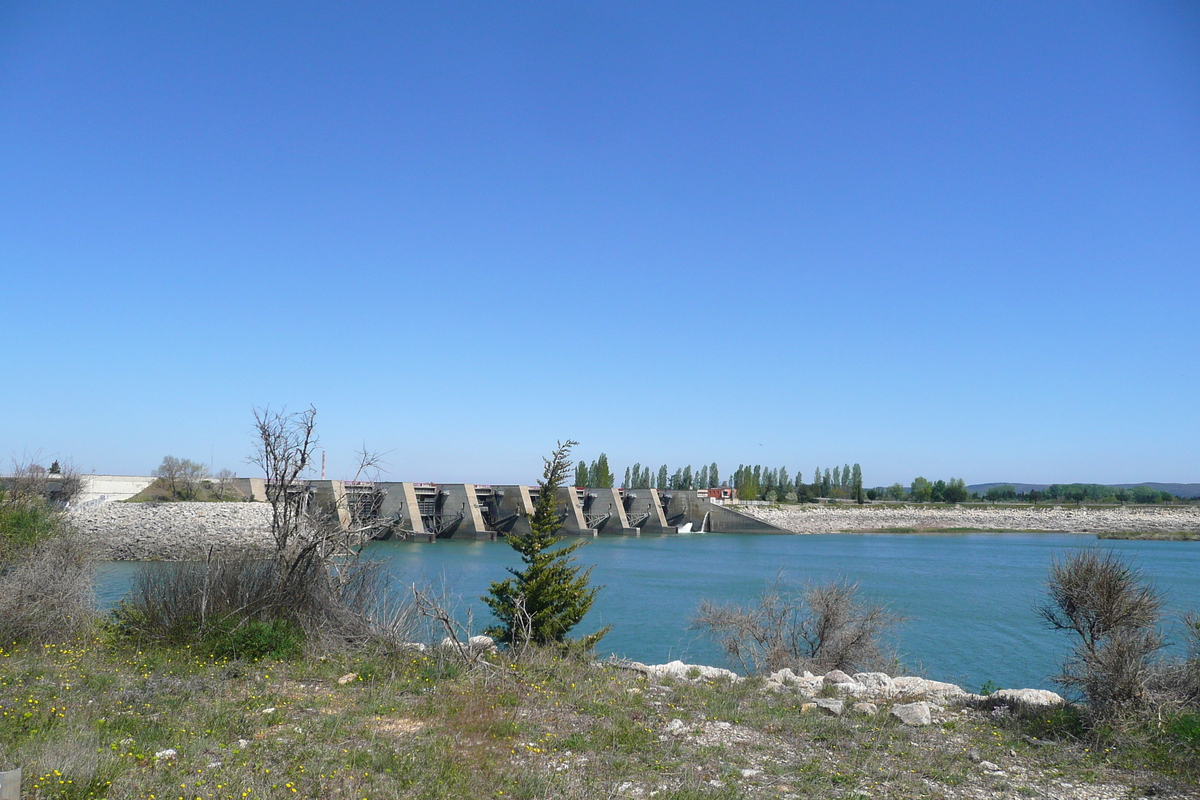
point(431, 511)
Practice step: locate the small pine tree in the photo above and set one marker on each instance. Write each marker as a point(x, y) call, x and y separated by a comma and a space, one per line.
point(542, 602)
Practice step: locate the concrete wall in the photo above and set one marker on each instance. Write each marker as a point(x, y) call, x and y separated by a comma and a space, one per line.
point(104, 488)
point(639, 502)
point(461, 497)
point(573, 522)
point(516, 506)
point(608, 501)
point(688, 505)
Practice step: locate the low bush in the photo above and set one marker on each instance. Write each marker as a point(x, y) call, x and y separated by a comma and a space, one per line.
point(820, 628)
point(45, 572)
point(1131, 691)
point(249, 606)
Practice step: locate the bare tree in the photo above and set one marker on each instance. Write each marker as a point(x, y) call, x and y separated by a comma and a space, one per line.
point(284, 451)
point(170, 472)
point(30, 481)
point(225, 486)
point(191, 476)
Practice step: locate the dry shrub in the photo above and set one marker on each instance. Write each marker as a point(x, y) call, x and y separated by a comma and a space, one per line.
point(820, 628)
point(1113, 613)
point(46, 592)
point(224, 600)
point(45, 565)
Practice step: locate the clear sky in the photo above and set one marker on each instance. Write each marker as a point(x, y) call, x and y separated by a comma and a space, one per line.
point(939, 239)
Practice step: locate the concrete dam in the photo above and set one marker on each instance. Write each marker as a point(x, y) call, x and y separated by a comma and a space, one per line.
point(430, 511)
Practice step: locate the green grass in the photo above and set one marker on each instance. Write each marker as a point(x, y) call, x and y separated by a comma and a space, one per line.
point(1152, 536)
point(93, 719)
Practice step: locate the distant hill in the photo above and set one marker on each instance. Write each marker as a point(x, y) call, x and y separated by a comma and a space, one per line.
point(1185, 490)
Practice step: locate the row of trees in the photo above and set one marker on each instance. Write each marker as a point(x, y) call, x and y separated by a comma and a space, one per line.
point(766, 483)
point(599, 475)
point(1081, 492)
point(753, 482)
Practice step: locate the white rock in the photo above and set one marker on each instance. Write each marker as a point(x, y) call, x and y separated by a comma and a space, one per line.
point(830, 706)
point(879, 684)
point(932, 690)
point(682, 671)
point(915, 714)
point(1033, 698)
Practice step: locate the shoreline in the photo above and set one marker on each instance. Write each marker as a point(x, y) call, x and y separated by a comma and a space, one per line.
point(1144, 522)
point(187, 531)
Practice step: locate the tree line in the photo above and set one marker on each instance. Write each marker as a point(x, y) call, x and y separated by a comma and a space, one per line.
point(1081, 492)
point(752, 482)
point(776, 484)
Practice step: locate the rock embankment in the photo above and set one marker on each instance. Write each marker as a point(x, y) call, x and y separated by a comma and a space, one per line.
point(173, 531)
point(835, 519)
point(914, 701)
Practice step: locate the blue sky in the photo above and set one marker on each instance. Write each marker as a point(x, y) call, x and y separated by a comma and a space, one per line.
point(939, 239)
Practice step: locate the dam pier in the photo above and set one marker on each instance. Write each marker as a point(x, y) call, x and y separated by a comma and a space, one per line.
point(427, 512)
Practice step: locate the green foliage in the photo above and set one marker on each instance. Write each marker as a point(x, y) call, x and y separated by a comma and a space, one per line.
point(599, 475)
point(922, 490)
point(996, 493)
point(24, 524)
point(543, 601)
point(253, 639)
point(955, 491)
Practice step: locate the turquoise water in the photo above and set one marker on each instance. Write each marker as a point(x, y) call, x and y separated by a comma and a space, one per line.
point(969, 599)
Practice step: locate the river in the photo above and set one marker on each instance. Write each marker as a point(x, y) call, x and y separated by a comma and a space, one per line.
point(968, 598)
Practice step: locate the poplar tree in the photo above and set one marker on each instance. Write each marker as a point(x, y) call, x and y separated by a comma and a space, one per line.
point(581, 474)
point(601, 475)
point(662, 477)
point(702, 478)
point(549, 596)
point(714, 477)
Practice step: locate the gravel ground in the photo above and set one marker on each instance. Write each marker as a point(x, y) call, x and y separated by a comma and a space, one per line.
point(172, 531)
point(834, 519)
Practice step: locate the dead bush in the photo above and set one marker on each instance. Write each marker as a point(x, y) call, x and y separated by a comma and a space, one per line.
point(46, 590)
point(1112, 611)
point(819, 628)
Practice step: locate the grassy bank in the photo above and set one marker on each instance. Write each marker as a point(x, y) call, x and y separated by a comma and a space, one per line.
point(101, 718)
point(1153, 536)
